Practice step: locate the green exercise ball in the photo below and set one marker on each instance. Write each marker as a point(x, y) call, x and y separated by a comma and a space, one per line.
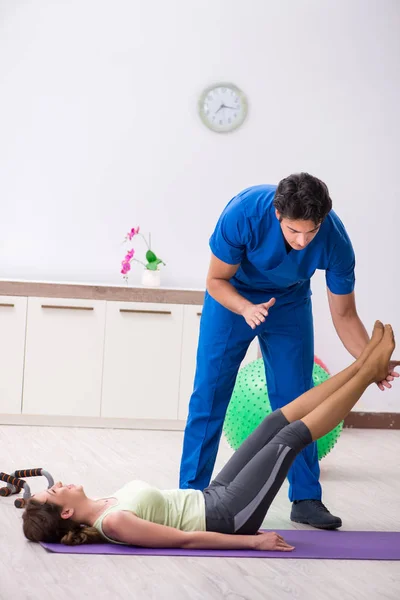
point(250, 404)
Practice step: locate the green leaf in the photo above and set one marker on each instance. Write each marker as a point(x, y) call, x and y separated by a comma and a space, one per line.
point(152, 265)
point(150, 256)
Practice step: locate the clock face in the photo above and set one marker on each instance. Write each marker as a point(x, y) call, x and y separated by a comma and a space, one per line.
point(223, 107)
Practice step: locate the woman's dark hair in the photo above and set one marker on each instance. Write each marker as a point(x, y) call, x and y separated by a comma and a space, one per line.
point(43, 523)
point(303, 197)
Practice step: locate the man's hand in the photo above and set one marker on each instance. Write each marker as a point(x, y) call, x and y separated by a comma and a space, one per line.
point(390, 376)
point(254, 314)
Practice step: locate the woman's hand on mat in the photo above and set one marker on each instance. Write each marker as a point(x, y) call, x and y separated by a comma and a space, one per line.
point(271, 541)
point(390, 376)
point(255, 314)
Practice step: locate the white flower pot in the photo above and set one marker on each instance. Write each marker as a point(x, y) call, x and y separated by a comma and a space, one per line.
point(151, 278)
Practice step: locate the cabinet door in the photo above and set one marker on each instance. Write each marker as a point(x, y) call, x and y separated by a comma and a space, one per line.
point(12, 348)
point(64, 352)
point(142, 360)
point(190, 337)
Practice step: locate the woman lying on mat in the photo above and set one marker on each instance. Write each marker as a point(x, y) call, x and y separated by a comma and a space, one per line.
point(228, 513)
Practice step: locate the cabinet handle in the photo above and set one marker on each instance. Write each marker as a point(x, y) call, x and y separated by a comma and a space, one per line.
point(145, 312)
point(67, 307)
point(7, 305)
point(198, 314)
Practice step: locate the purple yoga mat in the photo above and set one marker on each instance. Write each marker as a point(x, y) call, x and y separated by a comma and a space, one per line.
point(349, 545)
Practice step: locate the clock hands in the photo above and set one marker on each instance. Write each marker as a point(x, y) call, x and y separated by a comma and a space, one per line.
point(224, 106)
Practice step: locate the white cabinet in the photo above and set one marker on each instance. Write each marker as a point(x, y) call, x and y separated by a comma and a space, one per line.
point(190, 338)
point(93, 358)
point(191, 324)
point(12, 346)
point(63, 359)
point(142, 360)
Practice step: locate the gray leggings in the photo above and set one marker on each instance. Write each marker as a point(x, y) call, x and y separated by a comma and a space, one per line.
point(238, 499)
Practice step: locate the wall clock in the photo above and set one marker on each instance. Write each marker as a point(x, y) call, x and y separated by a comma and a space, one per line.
point(223, 107)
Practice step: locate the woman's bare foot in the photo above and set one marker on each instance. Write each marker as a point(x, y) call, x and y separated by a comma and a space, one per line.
point(376, 338)
point(377, 363)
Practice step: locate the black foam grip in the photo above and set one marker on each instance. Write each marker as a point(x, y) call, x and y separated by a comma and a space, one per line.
point(13, 480)
point(28, 472)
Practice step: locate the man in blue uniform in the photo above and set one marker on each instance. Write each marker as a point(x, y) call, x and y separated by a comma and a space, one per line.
point(266, 246)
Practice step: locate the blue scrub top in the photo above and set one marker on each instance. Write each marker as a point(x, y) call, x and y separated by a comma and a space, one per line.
point(248, 232)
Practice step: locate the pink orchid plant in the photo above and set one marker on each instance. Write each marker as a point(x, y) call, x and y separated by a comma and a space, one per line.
point(153, 261)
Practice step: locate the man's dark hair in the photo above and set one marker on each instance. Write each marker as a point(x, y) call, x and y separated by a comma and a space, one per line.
point(303, 197)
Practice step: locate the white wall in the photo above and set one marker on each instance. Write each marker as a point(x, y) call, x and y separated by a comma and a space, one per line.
point(99, 132)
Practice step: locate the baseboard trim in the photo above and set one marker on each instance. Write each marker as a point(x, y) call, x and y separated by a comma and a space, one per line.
point(372, 420)
point(355, 420)
point(92, 422)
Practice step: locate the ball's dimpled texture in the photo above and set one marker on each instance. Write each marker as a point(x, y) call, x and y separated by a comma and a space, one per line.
point(250, 404)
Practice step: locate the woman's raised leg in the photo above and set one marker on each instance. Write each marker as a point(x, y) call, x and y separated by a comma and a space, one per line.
point(337, 406)
point(308, 401)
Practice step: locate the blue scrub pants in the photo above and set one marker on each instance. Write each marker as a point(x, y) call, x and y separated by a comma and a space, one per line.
point(287, 344)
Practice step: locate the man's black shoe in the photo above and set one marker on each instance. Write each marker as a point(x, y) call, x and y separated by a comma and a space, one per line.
point(314, 513)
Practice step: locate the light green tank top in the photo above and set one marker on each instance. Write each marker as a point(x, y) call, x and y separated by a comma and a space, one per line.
point(182, 509)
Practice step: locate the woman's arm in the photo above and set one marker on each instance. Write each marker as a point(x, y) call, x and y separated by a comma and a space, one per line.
point(124, 526)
